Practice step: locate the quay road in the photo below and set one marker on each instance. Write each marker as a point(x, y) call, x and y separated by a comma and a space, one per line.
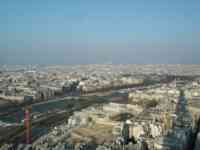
point(10, 110)
point(50, 118)
point(55, 112)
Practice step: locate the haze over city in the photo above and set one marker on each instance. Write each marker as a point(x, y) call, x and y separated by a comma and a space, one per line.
point(99, 75)
point(88, 32)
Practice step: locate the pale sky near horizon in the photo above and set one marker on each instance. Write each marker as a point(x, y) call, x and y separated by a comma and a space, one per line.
point(99, 31)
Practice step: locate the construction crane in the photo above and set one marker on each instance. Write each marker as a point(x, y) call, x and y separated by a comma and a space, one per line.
point(27, 119)
point(27, 123)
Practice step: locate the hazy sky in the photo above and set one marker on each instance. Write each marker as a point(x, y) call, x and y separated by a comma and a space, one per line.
point(99, 31)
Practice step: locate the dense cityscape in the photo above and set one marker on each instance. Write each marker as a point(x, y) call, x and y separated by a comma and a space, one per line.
point(100, 107)
point(99, 75)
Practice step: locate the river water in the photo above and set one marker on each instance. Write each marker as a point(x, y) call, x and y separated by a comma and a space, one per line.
point(18, 115)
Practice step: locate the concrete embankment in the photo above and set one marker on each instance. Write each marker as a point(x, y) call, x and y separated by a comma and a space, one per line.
point(50, 119)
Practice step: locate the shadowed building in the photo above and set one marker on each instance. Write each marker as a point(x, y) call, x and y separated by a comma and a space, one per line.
point(179, 137)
